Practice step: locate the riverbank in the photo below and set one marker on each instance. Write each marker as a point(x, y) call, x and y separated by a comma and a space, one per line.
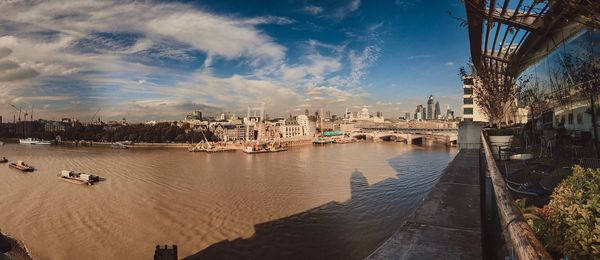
point(448, 222)
point(237, 146)
point(18, 249)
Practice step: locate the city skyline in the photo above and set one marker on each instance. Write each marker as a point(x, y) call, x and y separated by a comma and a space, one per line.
point(88, 57)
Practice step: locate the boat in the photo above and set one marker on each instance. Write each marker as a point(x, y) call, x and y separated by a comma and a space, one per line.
point(21, 166)
point(3, 160)
point(322, 141)
point(264, 148)
point(345, 141)
point(118, 145)
point(34, 141)
point(78, 177)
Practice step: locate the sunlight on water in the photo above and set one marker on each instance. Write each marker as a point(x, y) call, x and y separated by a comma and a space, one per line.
point(196, 200)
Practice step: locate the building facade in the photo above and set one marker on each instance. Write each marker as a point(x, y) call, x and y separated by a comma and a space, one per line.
point(471, 112)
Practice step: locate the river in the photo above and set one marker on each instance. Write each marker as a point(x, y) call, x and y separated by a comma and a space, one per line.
point(333, 201)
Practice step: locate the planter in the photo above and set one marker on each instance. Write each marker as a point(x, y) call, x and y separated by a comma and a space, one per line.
point(498, 142)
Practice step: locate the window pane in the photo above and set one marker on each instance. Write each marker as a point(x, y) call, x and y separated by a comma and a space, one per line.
point(468, 101)
point(468, 91)
point(468, 111)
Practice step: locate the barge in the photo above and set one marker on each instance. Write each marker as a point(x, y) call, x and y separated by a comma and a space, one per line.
point(21, 166)
point(78, 177)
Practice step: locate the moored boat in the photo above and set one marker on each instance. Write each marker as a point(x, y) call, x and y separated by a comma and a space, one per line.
point(21, 166)
point(34, 141)
point(3, 160)
point(119, 145)
point(78, 177)
point(320, 140)
point(264, 148)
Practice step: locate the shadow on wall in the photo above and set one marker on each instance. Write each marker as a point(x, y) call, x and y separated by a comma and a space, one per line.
point(349, 230)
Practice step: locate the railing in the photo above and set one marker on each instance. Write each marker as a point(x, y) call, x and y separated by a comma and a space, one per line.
point(519, 237)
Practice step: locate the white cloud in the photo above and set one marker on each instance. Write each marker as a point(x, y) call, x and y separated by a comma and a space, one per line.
point(342, 11)
point(420, 56)
point(312, 9)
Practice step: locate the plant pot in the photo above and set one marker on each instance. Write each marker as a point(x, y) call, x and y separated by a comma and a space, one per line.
point(498, 142)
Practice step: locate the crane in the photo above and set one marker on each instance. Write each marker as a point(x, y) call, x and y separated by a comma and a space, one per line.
point(92, 119)
point(17, 109)
point(32, 111)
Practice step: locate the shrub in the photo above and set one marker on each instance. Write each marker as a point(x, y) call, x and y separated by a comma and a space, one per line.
point(573, 215)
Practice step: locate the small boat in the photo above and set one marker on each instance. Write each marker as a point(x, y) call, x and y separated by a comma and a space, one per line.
point(345, 141)
point(3, 160)
point(21, 166)
point(119, 145)
point(265, 149)
point(78, 177)
point(34, 141)
point(322, 141)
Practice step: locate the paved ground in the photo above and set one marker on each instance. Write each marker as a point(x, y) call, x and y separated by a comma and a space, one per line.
point(447, 225)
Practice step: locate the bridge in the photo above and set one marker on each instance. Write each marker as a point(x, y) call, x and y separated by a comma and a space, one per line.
point(410, 136)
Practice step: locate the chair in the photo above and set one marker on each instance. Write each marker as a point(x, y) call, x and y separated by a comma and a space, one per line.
point(592, 163)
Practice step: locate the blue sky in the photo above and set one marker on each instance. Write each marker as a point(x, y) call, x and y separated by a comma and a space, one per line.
point(159, 60)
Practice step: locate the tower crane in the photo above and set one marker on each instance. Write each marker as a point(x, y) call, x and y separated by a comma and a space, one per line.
point(17, 109)
point(92, 119)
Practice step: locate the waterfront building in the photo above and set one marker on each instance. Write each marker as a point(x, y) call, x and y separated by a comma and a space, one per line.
point(407, 116)
point(471, 111)
point(54, 126)
point(308, 127)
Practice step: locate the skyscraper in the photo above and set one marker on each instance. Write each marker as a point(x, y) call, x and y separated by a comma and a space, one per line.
point(437, 112)
point(429, 107)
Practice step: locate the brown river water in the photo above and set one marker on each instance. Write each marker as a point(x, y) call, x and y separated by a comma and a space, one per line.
point(312, 202)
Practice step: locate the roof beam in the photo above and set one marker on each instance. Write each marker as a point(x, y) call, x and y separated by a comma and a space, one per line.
point(516, 19)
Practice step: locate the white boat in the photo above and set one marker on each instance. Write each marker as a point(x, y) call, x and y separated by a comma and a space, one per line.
point(78, 177)
point(118, 145)
point(34, 141)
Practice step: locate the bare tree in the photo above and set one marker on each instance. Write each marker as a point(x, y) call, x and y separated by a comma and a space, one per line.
point(495, 94)
point(584, 70)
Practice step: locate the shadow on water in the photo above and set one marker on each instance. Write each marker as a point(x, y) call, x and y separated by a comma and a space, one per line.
point(349, 230)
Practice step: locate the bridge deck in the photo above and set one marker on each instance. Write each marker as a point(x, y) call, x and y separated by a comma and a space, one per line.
point(447, 225)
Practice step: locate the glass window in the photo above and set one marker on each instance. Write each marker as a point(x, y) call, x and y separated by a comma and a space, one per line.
point(468, 81)
point(580, 118)
point(468, 101)
point(570, 118)
point(468, 111)
point(468, 91)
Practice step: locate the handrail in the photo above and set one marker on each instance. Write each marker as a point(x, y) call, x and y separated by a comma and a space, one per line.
point(522, 237)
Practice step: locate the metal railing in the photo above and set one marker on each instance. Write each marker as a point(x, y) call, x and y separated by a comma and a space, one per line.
point(519, 238)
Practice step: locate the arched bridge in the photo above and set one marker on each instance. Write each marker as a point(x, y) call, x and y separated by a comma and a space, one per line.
point(446, 137)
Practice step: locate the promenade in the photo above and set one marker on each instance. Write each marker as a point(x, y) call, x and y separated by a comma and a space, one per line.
point(447, 225)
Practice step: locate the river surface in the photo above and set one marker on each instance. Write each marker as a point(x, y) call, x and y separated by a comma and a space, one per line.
point(328, 202)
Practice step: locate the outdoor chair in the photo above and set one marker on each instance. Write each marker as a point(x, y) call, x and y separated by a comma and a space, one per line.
point(592, 163)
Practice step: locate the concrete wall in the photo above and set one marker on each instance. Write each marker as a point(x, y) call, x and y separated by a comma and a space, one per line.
point(469, 135)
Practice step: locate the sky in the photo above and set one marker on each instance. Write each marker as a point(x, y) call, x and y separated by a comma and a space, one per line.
point(160, 60)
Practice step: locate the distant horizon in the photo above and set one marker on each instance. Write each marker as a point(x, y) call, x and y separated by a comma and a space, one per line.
point(143, 60)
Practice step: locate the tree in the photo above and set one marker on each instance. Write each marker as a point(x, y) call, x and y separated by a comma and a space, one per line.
point(584, 72)
point(495, 93)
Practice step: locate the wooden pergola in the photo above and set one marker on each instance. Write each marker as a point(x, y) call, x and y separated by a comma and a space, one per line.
point(507, 36)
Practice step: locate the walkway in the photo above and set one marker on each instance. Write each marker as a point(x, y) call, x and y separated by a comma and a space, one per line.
point(447, 225)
